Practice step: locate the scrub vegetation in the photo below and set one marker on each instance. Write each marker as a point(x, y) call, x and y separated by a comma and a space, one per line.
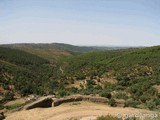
point(128, 74)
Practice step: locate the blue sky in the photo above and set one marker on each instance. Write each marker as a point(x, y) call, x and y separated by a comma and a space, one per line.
point(81, 22)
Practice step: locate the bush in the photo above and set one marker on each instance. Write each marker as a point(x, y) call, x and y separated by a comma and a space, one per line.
point(151, 104)
point(63, 93)
point(90, 82)
point(112, 102)
point(1, 107)
point(131, 103)
point(121, 95)
point(9, 96)
point(144, 98)
point(106, 94)
point(73, 90)
point(142, 106)
point(88, 91)
point(108, 117)
point(108, 85)
point(118, 87)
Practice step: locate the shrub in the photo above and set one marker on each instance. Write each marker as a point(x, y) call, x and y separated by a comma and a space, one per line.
point(106, 94)
point(151, 104)
point(118, 87)
point(142, 106)
point(9, 96)
point(73, 90)
point(88, 91)
point(1, 107)
point(63, 93)
point(131, 103)
point(90, 82)
point(112, 102)
point(144, 98)
point(121, 95)
point(108, 117)
point(107, 85)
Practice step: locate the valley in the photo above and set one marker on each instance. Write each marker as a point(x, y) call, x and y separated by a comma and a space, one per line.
point(130, 75)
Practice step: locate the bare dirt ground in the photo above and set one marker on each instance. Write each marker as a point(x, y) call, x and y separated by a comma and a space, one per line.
point(73, 111)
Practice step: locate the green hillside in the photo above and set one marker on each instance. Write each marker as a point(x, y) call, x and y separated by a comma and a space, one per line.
point(131, 75)
point(136, 72)
point(119, 61)
point(22, 73)
point(53, 51)
point(47, 51)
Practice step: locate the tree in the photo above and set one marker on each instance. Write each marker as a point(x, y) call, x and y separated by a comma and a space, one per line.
point(9, 96)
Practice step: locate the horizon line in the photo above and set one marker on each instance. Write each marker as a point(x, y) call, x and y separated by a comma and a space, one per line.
point(81, 45)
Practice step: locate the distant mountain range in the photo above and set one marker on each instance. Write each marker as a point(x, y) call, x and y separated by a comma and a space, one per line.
point(66, 47)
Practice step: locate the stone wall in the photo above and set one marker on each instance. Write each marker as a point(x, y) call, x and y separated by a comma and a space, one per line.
point(79, 98)
point(43, 102)
point(50, 101)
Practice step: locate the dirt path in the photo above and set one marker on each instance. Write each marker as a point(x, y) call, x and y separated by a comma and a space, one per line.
point(70, 111)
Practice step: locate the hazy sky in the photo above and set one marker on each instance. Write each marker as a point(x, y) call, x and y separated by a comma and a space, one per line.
point(81, 22)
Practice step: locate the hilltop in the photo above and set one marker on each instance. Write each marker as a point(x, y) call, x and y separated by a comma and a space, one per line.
point(64, 47)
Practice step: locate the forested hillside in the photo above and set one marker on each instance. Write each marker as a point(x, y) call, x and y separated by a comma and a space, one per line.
point(22, 73)
point(47, 51)
point(131, 75)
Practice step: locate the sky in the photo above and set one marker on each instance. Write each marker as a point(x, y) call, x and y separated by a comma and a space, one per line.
point(81, 22)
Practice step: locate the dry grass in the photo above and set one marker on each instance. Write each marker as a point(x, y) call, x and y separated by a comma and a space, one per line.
point(17, 101)
point(157, 87)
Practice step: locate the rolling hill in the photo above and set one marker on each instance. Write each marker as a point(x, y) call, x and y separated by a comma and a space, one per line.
point(55, 50)
point(131, 75)
point(60, 46)
point(47, 51)
point(23, 73)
